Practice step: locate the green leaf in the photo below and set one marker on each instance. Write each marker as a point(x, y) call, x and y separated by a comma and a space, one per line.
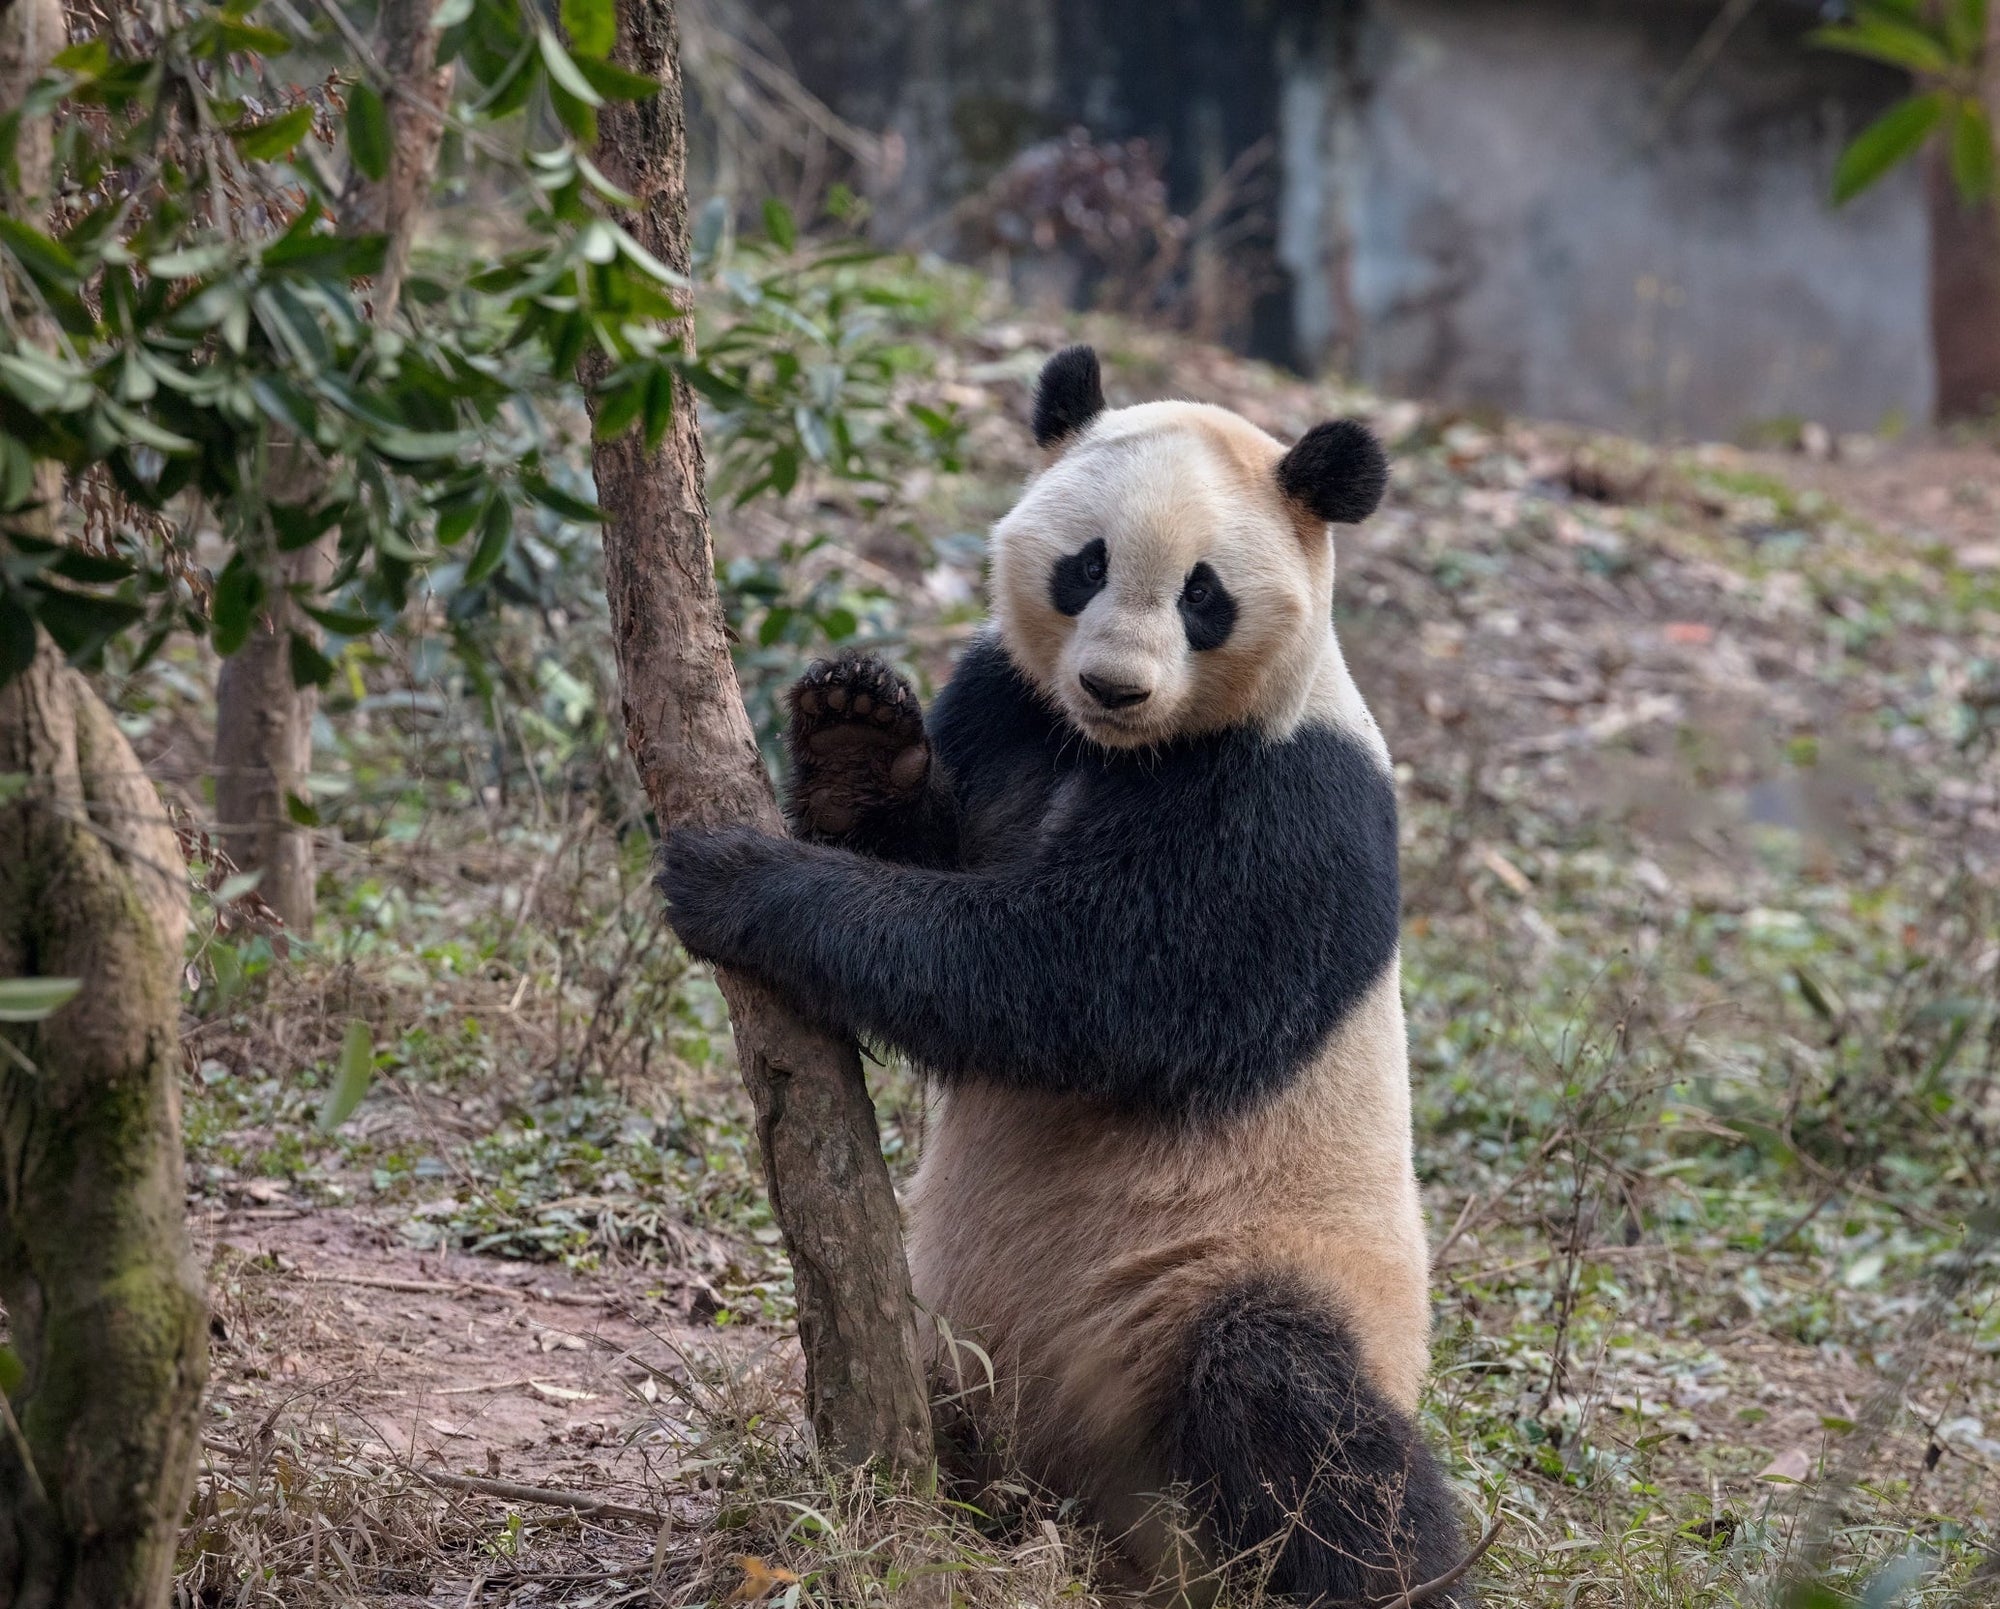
point(43, 257)
point(1972, 153)
point(300, 524)
point(615, 83)
point(618, 404)
point(32, 999)
point(350, 1077)
point(83, 622)
point(42, 384)
point(450, 14)
point(191, 262)
point(494, 531)
point(234, 888)
point(138, 428)
point(1965, 28)
point(341, 622)
point(299, 810)
point(92, 569)
point(780, 225)
point(421, 446)
point(563, 72)
point(559, 501)
point(239, 591)
point(592, 26)
point(1883, 39)
point(90, 59)
point(646, 262)
point(659, 405)
point(1893, 137)
point(275, 136)
point(368, 131)
point(310, 667)
point(251, 39)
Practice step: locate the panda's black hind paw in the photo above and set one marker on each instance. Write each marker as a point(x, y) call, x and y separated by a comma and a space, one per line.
point(857, 745)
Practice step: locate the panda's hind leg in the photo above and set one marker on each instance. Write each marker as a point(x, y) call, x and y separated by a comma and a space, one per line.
point(1298, 1463)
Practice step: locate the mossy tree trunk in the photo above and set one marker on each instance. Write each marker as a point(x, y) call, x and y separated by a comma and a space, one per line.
point(686, 727)
point(100, 1393)
point(106, 1307)
point(263, 721)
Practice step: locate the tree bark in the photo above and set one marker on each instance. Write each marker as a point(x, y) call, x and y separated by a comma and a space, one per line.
point(107, 1308)
point(687, 729)
point(100, 1401)
point(263, 736)
point(263, 723)
point(1964, 294)
point(1965, 268)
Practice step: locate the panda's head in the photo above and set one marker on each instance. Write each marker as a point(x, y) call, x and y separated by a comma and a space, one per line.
point(1170, 570)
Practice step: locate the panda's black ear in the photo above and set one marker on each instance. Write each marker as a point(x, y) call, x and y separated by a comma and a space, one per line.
point(1068, 396)
point(1337, 471)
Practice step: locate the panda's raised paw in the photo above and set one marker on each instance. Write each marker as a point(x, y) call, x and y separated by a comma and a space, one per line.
point(857, 745)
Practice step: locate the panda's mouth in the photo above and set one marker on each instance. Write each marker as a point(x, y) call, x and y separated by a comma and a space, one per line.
point(1111, 729)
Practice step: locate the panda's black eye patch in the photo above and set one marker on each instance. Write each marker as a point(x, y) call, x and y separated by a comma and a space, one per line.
point(1208, 613)
point(1077, 579)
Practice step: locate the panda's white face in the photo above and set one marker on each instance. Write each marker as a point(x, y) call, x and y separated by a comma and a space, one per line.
point(1154, 581)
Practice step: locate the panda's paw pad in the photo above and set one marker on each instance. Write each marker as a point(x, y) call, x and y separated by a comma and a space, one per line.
point(857, 743)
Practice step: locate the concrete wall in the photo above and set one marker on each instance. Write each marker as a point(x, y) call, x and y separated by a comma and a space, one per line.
point(1484, 202)
point(1479, 200)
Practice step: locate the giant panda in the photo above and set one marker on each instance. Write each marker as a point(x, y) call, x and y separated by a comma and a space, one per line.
point(1128, 894)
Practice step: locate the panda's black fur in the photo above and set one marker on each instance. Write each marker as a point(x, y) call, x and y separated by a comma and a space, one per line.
point(1276, 1426)
point(1261, 877)
point(1171, 933)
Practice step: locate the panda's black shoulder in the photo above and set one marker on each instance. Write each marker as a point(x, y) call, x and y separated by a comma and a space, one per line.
point(988, 714)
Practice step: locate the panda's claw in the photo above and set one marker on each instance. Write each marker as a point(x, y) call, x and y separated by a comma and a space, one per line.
point(857, 745)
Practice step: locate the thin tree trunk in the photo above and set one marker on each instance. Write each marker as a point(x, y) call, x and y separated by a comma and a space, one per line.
point(1964, 294)
point(1965, 268)
point(99, 1282)
point(263, 723)
point(263, 735)
point(687, 729)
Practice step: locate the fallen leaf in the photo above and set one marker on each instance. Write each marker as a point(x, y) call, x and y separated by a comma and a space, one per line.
point(555, 1393)
point(1688, 633)
point(1790, 1468)
point(760, 1580)
point(1504, 869)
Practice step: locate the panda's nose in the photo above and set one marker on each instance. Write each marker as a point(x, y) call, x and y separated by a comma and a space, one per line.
point(1114, 695)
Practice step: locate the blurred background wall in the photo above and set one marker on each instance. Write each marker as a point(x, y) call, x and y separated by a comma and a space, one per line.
point(1613, 210)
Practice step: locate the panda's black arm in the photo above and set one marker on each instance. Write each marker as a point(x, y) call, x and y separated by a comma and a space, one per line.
point(1182, 949)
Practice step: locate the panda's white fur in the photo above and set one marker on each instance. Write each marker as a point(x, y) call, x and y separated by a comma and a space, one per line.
point(1186, 1234)
point(1171, 484)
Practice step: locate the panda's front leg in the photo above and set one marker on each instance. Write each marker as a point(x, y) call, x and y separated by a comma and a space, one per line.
point(863, 773)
